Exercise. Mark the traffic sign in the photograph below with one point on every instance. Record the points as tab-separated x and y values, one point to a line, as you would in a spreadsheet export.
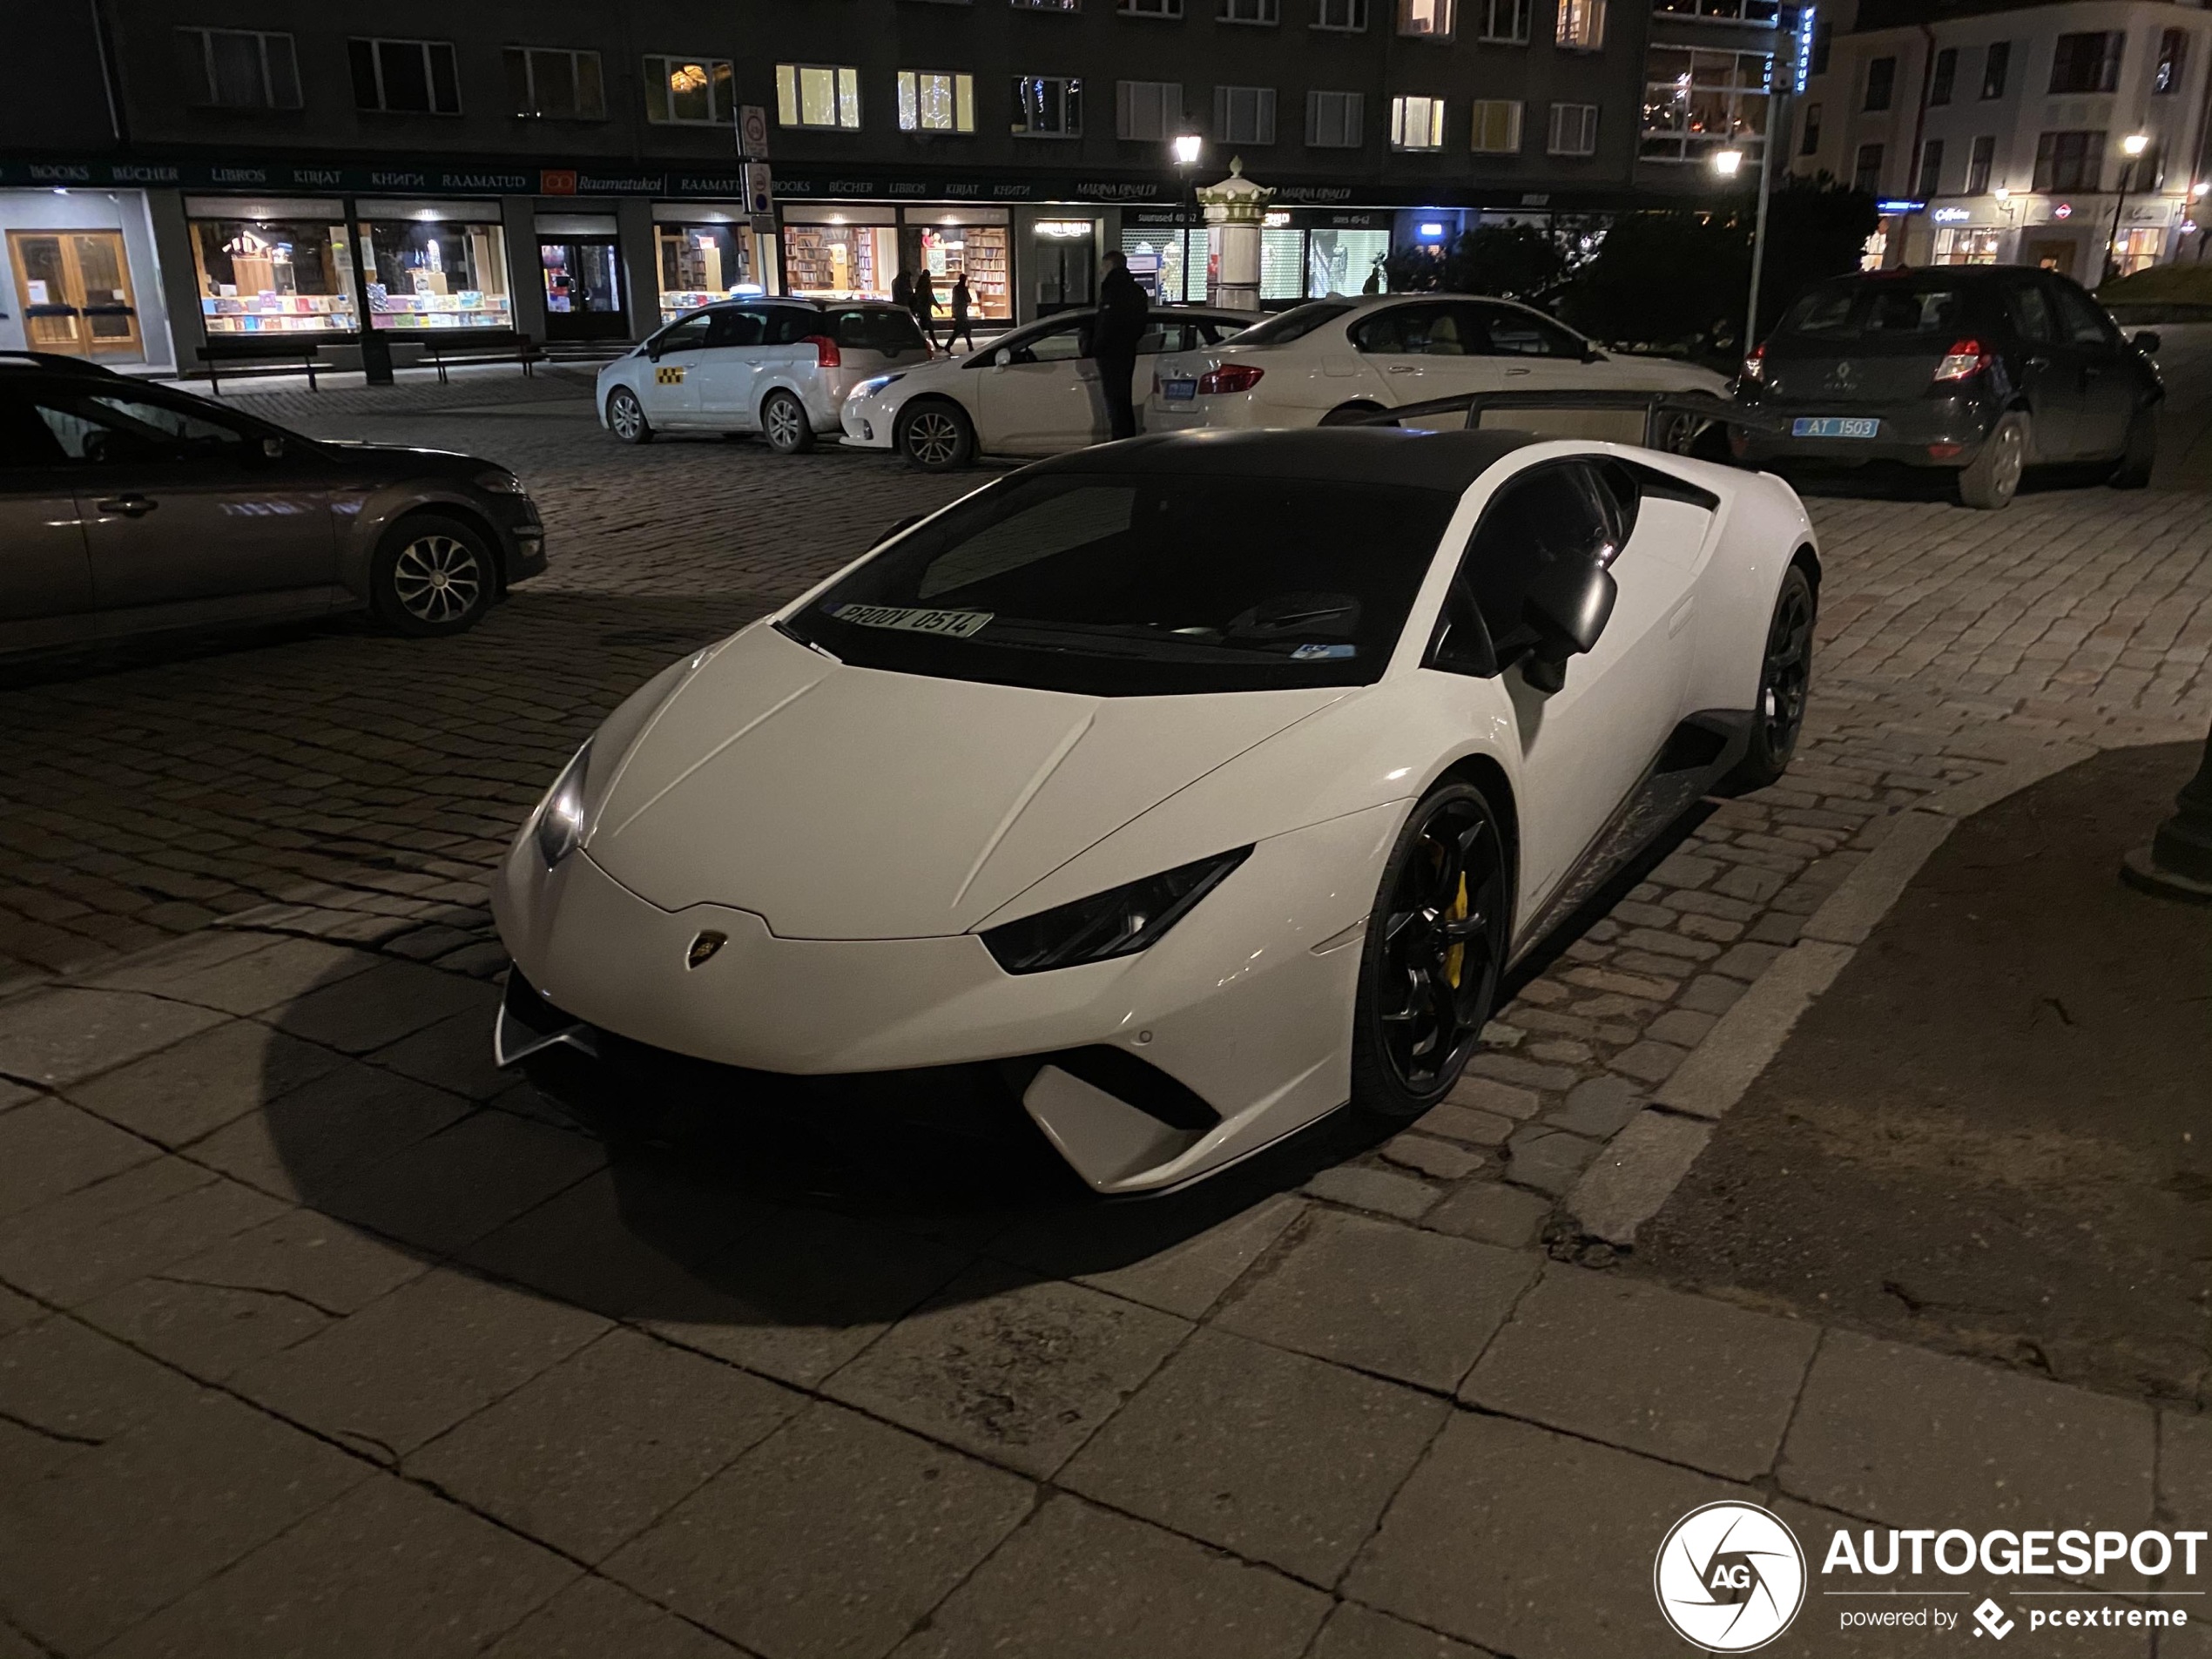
759	190
753	132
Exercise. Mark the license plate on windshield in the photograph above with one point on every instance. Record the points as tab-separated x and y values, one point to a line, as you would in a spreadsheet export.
1179	391
1835	425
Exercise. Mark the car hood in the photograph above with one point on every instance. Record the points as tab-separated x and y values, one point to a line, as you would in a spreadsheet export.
936	374
851	803
404	461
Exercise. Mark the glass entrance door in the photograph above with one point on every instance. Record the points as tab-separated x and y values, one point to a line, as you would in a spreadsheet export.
583	298
75	291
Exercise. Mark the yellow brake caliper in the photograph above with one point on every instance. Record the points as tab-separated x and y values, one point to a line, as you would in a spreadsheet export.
1457	955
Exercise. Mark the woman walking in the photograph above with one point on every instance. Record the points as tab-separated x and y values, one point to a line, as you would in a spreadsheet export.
926	305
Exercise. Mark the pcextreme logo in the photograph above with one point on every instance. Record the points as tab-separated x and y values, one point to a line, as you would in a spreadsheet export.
1729	1577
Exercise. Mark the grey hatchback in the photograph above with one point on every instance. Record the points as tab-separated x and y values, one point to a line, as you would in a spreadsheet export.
127	508
1983	370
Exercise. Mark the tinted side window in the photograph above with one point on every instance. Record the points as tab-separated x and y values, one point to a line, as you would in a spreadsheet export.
1420	331
25	439
2083	320
737	328
1061	344
687	336
2031	313
1521	334
878	328
1552	517
109	428
787	325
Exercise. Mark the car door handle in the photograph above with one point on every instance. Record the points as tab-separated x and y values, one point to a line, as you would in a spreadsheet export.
130	506
2039	363
1515	371
1405	369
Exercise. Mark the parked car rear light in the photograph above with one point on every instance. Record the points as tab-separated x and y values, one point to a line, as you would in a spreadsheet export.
1755	365
1964	361
1230	377
827	354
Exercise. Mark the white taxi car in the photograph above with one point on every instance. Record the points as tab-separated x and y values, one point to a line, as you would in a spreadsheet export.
1032	392
780	368
1339	360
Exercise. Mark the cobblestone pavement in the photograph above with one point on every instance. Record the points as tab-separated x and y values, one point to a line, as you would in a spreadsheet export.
300	1303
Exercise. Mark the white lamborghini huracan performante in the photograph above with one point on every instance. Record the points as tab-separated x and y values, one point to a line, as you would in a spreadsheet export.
1199	784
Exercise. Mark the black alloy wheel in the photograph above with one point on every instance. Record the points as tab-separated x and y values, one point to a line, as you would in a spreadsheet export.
1436	946
1785	685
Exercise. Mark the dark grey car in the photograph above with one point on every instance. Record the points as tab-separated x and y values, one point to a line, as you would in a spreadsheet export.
127	508
1982	370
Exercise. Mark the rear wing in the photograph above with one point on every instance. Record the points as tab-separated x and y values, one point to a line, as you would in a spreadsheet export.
1679	422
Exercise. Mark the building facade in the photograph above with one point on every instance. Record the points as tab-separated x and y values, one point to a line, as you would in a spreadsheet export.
2062	135
173	173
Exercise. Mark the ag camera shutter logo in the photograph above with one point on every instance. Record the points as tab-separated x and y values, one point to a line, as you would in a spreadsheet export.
1729	1577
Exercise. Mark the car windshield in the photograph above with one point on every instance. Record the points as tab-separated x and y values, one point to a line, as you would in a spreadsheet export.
1881	310
1129	585
1295	324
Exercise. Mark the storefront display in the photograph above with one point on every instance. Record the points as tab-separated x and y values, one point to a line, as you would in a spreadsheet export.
1967	245
1341	260
272	267
840	253
1167	257
1282	259
435	268
701	262
948	243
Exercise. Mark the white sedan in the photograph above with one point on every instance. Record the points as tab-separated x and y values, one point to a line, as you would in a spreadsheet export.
1188	789
1033	391
1333	361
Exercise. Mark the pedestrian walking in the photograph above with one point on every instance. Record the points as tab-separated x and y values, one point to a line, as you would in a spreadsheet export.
1122	313
902	289
963	327
926	305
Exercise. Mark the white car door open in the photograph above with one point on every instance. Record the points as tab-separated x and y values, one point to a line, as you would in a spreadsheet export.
730	365
1036	397
668	383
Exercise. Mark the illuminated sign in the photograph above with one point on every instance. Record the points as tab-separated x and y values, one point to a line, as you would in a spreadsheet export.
2064	210
1801	59
1898	205
1951	216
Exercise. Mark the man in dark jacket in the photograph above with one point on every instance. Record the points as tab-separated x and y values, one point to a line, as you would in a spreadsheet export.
1123	314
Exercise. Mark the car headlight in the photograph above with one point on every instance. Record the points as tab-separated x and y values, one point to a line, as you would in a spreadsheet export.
1106	924
501	483
870	387
560	816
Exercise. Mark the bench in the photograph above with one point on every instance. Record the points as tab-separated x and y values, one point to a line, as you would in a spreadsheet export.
489	346
275	355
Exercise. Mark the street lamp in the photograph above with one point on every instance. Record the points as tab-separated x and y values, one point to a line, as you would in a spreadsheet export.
2132	147
1728	163
1186	148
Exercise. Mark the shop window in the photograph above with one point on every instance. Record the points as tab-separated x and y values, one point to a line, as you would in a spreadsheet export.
1497	126
2086	62
1150	8
1931	180
2173	56
1809	135
1866	170
1966	246
688	92
553	83
1697	100
1148	110
1417	123
238	69
1995	64
1979	163
405	76
1243	114
936	101
273	276
1168	260
1344	261
1259	11
1282	259
1944	74
1881	83
75	290
1505	22
1582	24
700	263
1573	130
438	275
818	95
1335	120
1432	18
1348	15
1048	106
841	261
980	252
2069	161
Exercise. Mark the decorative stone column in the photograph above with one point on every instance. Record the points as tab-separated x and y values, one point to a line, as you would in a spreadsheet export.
1235	209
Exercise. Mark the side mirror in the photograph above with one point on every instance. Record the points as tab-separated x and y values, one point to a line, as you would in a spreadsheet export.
1001	357
2146	342
272	448
1568	610
653	349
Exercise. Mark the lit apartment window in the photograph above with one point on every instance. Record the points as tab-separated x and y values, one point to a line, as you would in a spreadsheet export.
936	101
405	76
1506	21
1265	11
1497	126
552	83
1335	120
1150	8
1573	130
1582	25
238	69
1417	123
1349	14
1429	17
1243	114
1048	106
818	95
1697	100
688	92
2173	56
1148	110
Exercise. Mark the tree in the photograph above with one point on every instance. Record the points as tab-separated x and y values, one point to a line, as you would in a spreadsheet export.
1815	229
1516	261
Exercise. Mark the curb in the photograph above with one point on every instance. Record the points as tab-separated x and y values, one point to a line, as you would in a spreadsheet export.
1640	1167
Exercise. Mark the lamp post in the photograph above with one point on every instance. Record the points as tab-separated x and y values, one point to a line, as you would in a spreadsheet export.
2133	145
1186	148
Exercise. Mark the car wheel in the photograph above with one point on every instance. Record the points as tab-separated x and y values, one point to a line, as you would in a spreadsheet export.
432	575
627	416
1995	478
1786	683
1351	413
1435	947
785	421
936	436
2141	453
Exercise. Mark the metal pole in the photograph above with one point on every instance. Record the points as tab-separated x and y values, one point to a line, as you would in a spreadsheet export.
1778	123
376	351
2119	206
